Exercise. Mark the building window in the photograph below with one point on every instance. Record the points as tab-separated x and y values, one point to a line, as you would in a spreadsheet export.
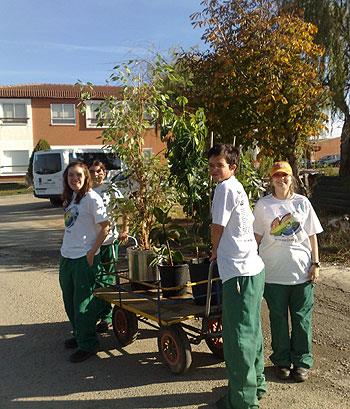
14	113
63	114
147	153
92	120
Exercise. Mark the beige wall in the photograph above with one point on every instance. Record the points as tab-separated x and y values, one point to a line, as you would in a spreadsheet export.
328	147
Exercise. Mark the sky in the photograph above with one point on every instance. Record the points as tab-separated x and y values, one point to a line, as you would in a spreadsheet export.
62	41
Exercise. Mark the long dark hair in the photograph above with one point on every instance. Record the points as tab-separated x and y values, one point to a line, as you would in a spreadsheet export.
68	192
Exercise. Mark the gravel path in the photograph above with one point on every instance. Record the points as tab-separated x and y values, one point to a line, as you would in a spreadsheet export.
35	371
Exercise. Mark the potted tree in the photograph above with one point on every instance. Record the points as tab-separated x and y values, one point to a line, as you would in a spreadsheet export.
187	140
173	270
125	121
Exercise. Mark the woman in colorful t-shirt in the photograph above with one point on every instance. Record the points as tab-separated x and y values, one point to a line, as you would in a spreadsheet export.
86	227
285	228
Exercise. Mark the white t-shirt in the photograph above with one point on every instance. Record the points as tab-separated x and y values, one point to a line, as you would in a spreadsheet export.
82	225
237	253
103	191
285	246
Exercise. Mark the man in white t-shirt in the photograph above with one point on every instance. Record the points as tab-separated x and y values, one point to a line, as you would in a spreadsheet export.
242	274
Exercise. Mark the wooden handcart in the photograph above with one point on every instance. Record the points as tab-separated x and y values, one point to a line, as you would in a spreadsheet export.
172	317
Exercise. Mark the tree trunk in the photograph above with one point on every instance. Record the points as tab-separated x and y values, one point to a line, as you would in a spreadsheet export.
293	161
344	169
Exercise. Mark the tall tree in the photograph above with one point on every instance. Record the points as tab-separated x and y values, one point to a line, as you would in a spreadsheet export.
333	20
258	81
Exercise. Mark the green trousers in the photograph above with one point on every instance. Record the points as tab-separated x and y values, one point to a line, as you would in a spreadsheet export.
295	346
243	342
78	281
107	278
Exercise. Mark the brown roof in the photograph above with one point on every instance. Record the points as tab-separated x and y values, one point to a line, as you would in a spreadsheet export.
56	91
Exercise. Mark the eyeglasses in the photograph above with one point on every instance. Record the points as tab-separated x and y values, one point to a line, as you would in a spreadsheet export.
280	175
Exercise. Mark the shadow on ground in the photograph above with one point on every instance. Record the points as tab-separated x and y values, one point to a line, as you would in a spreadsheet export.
41	346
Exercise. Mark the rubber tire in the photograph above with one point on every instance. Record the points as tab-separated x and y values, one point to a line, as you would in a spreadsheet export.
174	348
125	326
56	202
215	345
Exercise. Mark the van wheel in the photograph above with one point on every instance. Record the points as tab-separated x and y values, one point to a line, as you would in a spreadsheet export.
56	202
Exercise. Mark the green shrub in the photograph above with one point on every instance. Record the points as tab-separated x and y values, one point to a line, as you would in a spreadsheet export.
42	145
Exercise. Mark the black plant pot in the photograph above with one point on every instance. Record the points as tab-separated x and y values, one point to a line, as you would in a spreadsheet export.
174	276
199	270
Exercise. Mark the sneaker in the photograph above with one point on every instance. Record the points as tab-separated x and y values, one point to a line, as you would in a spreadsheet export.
260	395
71	343
102	327
80	355
300	374
282	372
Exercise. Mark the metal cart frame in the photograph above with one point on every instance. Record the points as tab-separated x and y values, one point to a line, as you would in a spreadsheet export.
170	316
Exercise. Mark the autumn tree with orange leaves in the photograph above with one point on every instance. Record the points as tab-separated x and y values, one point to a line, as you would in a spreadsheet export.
258	81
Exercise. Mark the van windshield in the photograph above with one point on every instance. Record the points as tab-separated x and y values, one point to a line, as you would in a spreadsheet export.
47	164
110	160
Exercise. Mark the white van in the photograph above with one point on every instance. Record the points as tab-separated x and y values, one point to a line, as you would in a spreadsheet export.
48	168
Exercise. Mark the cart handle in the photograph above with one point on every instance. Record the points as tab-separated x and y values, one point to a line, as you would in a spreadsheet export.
209	288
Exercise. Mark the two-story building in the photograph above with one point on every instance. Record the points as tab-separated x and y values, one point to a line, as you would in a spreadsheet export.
50	111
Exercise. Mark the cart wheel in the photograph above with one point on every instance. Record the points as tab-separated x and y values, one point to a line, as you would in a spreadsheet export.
125	326
174	348
216	345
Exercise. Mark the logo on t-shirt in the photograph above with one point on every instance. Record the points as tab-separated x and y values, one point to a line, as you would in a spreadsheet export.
71	216
284	226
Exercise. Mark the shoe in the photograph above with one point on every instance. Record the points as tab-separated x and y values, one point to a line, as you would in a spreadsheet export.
300	374
71	343
282	372
102	327
80	355
260	395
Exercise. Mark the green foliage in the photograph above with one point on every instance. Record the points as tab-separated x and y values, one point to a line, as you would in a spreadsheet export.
332	18
42	145
250	178
186	138
163	236
145	100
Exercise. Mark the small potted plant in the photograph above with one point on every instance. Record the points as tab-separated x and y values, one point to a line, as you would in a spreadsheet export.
170	261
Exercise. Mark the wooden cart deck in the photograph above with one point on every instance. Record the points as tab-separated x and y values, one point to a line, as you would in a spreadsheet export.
146	304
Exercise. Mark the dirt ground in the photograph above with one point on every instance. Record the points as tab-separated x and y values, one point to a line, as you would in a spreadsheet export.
35	371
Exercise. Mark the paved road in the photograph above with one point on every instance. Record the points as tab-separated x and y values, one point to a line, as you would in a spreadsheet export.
35	371
34	366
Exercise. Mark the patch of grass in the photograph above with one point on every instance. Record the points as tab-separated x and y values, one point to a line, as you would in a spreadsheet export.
331	171
14	189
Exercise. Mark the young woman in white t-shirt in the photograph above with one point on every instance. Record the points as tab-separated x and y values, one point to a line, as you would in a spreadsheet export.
286	228
86	227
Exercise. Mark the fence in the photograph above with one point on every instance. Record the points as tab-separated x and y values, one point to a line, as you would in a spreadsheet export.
331	193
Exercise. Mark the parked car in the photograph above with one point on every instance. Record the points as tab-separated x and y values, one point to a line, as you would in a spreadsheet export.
329	160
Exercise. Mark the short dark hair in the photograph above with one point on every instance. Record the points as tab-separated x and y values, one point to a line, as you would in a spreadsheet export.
97	162
67	191
228	151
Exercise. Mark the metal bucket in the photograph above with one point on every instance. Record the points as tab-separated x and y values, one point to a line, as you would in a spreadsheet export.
139	265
